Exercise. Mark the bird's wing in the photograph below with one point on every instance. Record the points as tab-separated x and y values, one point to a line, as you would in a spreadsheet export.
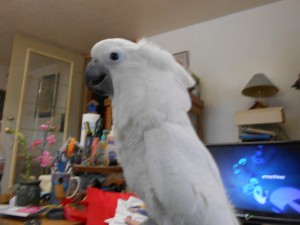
180	170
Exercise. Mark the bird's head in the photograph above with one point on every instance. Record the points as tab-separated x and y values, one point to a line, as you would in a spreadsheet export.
105	56
115	58
142	71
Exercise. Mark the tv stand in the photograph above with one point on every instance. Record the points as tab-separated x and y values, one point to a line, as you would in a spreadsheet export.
251	223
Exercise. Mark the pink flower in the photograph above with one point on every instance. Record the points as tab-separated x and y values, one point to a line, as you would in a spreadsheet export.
45	159
51	139
35	143
44	127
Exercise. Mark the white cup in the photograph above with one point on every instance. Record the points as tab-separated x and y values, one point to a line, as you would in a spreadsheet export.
45	184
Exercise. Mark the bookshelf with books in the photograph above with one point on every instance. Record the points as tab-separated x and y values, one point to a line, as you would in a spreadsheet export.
247	133
261	124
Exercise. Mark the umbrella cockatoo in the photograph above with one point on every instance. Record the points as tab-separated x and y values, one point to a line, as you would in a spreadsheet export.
163	160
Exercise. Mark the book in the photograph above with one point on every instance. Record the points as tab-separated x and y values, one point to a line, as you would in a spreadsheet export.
20	211
255	137
269	115
258	131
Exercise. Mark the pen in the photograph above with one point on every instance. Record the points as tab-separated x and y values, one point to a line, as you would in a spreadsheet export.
87	129
94	146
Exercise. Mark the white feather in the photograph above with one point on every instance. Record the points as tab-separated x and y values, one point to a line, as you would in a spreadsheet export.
163	160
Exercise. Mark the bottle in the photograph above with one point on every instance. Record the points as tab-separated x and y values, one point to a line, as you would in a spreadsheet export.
111	136
101	149
111	150
88	142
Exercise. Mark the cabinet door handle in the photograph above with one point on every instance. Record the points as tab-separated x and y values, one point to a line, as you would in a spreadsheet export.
8	130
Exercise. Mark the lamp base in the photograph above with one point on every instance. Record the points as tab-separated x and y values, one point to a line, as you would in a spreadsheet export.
259	105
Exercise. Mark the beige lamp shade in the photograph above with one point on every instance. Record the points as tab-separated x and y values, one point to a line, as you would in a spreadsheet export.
259	86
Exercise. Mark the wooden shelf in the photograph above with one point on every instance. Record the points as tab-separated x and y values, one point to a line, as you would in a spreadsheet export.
196	114
97	169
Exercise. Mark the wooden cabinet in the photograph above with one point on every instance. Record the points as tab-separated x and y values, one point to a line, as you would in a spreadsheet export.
196	115
107	114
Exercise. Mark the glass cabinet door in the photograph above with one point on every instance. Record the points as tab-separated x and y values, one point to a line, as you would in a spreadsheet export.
45	101
45	85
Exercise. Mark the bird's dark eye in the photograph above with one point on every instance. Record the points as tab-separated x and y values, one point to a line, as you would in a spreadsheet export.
114	56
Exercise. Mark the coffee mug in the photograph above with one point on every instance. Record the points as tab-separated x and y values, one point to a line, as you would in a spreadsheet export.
64	185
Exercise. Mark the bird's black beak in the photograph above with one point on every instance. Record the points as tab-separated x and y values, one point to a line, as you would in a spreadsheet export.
98	79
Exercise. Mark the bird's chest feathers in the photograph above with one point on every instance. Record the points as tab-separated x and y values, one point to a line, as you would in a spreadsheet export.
131	154
135	115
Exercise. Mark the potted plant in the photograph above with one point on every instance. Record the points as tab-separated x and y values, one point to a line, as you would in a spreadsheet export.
28	190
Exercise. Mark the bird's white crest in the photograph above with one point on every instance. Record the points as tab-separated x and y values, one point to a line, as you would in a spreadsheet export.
162	59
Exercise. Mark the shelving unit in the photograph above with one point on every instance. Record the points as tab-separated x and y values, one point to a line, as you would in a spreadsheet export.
106	170
113	174
266	121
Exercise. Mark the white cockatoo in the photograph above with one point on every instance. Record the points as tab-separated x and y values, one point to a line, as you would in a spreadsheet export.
163	160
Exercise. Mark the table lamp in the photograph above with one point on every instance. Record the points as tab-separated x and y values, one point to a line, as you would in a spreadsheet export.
259	86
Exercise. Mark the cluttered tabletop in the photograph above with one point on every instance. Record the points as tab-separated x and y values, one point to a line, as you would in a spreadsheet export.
44	221
40	219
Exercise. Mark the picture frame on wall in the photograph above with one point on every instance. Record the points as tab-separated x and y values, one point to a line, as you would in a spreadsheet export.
182	58
46	99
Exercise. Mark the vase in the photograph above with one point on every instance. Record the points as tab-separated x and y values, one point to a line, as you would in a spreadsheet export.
28	193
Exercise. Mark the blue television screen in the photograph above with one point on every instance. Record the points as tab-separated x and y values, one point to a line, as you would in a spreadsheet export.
262	180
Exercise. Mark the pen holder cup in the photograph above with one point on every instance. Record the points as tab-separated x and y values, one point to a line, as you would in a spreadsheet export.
64	185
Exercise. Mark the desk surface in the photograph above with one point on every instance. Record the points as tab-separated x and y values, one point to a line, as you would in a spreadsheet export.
11	221
4	220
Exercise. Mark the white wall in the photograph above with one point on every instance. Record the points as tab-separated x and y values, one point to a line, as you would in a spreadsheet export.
226	52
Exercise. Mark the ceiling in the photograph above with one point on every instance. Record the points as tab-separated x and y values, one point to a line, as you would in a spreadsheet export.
78	24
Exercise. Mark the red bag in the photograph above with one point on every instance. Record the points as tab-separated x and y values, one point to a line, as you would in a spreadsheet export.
75	212
102	205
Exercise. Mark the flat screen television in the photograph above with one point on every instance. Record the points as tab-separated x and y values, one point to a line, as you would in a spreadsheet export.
262	180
